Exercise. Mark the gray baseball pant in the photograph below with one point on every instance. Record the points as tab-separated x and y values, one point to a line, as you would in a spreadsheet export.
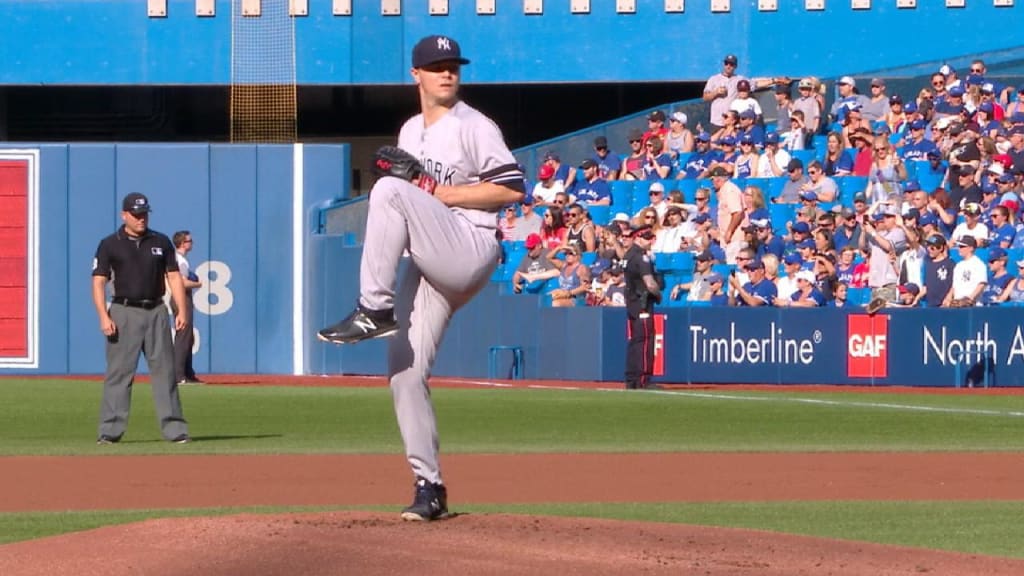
183	342
452	259
140	331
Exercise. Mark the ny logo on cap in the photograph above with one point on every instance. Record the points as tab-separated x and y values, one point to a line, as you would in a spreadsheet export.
444	43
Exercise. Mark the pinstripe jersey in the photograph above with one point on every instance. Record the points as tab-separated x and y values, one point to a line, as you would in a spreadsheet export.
463	147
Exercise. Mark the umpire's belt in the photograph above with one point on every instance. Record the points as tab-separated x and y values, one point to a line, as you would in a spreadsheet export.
147	304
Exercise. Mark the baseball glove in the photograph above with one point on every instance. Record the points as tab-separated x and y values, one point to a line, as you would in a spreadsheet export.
962	303
393	161
875	305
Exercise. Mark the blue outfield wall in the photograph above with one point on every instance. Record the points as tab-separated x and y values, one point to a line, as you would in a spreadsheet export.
237	200
102	42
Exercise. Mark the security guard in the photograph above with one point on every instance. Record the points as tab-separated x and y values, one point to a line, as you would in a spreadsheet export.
642	293
140	260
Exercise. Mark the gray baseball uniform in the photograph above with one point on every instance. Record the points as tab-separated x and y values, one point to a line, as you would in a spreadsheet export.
453	253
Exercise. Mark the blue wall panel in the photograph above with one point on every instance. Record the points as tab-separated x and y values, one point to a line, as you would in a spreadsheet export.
53	268
94	213
274	258
114	42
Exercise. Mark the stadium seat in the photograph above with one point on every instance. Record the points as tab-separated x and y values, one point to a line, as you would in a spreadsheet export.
600	214
763	183
682	261
499	273
858	296
781	214
662	261
929	182
805	156
588	258
850	185
688	187
818	141
622	192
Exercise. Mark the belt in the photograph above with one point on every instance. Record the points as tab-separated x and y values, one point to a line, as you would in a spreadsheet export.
147	304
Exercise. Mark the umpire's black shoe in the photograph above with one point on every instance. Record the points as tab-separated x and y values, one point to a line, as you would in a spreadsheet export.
430	503
104	439
361	324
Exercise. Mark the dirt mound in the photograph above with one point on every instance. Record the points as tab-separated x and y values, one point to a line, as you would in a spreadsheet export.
376	544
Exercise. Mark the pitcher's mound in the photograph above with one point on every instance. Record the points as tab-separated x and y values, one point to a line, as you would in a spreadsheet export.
368	544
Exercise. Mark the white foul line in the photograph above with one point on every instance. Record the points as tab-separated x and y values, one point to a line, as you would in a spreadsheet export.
768	398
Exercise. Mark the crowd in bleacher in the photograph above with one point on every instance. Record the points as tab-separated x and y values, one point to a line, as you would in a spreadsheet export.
906	199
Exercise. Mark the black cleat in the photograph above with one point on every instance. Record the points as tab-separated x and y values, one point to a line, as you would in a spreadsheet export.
104	439
430	503
361	324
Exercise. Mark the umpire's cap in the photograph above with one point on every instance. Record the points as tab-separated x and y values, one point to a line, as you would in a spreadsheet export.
135	203
433	49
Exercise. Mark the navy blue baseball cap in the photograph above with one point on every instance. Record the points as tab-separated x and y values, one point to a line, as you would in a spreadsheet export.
136	203
771	138
434	49
996	253
793	258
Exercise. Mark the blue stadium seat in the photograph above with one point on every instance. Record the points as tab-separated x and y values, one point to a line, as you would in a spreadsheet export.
850	185
763	183
782	213
819	141
682	261
622	192
688	187
600	214
858	296
588	258
499	273
663	261
805	156
929	182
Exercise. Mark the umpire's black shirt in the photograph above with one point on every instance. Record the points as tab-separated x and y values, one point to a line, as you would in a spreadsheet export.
637	266
138	264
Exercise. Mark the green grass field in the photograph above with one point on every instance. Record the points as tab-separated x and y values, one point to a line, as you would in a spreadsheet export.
59	418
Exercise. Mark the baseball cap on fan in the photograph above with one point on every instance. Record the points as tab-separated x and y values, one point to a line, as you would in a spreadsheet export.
434	49
136	203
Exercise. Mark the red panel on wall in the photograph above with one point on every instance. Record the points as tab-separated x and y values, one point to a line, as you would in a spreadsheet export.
13	258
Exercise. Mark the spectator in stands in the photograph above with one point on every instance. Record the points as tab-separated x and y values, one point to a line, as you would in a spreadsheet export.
837	161
886	175
621	222
918	146
1017	106
794	185
887	241
969	276
757	292
798	232
848	93
910	263
1016	151
771	269
507	222
658	164
593	190
941	207
553	231
702	199
655	127
547	186
809	104
796	138
1014	291
679	139
698	287
748	127
674	228
730	213
648	216
806	294
775	159
841	296
998	278
730	128
615	293
656	195
753	201
528	221
608	163
610	246
850	119
952	104
823	243
534	268
744	100
579	229
862	140
908	296
721	88
745	164
783	107
895	118
563	172
971	226
563	199
702	239
717	296
633	164
862	270
573	277
985	118
878	103
701	160
1002	232
791	263
846	264
824	187
847	229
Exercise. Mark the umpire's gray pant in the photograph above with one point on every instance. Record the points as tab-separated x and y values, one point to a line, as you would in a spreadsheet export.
140	331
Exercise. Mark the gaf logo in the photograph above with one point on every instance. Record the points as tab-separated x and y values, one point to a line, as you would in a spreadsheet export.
867	350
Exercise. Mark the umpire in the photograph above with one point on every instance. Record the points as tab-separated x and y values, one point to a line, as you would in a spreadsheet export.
140	259
642	293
